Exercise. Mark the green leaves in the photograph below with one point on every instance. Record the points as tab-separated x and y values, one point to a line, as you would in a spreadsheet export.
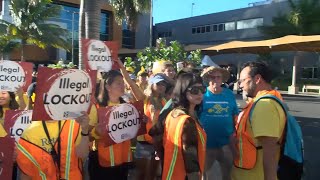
129	63
174	53
303	19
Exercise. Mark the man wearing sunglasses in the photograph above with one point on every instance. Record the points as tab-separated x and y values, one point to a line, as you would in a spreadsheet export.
217	114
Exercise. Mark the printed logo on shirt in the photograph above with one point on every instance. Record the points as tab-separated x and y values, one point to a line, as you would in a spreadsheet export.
218	109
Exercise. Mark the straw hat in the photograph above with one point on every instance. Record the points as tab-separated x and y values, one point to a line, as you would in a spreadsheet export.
225	73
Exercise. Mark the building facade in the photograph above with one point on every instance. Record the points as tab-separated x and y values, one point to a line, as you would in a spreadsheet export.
237	25
110	30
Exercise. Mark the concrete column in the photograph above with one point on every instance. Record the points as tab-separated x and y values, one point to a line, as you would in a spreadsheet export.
293	89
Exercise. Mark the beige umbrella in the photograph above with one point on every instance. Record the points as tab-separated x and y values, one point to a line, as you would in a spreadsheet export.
286	43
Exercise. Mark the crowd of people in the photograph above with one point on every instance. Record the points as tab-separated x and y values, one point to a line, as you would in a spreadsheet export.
193	122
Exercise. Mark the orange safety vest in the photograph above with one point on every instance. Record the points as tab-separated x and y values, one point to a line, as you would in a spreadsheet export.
247	149
114	155
148	112
173	165
42	166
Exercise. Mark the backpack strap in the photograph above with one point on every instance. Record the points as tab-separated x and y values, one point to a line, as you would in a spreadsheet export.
284	107
269	96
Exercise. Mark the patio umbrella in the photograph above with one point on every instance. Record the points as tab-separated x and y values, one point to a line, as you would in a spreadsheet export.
286	43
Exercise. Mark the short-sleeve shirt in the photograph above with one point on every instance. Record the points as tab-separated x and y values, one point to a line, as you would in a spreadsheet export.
217	117
268	119
36	134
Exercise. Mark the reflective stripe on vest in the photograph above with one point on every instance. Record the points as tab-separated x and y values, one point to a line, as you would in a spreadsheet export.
68	154
148	113
247	148
175	152
30	157
111	155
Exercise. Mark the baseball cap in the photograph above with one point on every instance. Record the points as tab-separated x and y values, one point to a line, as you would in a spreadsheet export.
156	78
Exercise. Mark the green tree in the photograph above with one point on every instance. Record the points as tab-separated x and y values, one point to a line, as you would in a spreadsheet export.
174	53
89	22
303	19
195	57
30	24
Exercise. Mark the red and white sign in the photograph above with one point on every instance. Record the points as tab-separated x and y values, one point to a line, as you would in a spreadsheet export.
63	93
6	157
100	55
15	74
122	122
16	121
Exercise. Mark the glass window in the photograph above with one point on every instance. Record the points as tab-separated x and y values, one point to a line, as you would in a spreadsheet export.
249	23
215	27
203	29
221	27
230	26
198	29
310	73
194	30
208	28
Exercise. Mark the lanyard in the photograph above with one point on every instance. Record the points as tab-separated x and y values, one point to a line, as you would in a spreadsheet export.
54	154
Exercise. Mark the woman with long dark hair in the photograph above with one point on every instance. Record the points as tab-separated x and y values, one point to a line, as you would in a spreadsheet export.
7	102
184	139
111	162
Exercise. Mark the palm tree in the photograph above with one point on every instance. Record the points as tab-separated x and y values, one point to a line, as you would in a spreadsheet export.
30	24
303	19
123	10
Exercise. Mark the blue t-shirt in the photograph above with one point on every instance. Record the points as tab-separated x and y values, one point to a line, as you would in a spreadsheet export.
216	116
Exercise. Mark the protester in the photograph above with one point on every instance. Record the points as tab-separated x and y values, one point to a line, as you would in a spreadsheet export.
257	145
169	70
232	79
157	130
8	102
142	80
145	152
53	149
184	139
218	115
111	161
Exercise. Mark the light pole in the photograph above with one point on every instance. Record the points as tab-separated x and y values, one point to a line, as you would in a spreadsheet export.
151	23
192	9
72	35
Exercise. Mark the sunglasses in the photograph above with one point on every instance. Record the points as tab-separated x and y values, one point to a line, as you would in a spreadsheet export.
195	90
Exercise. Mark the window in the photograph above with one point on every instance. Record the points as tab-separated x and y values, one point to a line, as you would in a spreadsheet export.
249	23
221	27
215	27
208	28
198	29
310	73
229	26
165	34
194	30
203	29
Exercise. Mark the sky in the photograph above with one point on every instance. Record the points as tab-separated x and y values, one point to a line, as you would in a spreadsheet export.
167	10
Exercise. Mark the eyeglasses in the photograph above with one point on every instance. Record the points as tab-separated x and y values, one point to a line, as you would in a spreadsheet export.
242	80
195	90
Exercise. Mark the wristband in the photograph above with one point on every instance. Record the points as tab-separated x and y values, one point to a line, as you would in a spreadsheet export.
84	134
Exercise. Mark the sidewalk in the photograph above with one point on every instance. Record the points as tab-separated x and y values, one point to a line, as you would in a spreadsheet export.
302	94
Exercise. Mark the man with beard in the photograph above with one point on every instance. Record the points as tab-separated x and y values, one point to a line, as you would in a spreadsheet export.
259	132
